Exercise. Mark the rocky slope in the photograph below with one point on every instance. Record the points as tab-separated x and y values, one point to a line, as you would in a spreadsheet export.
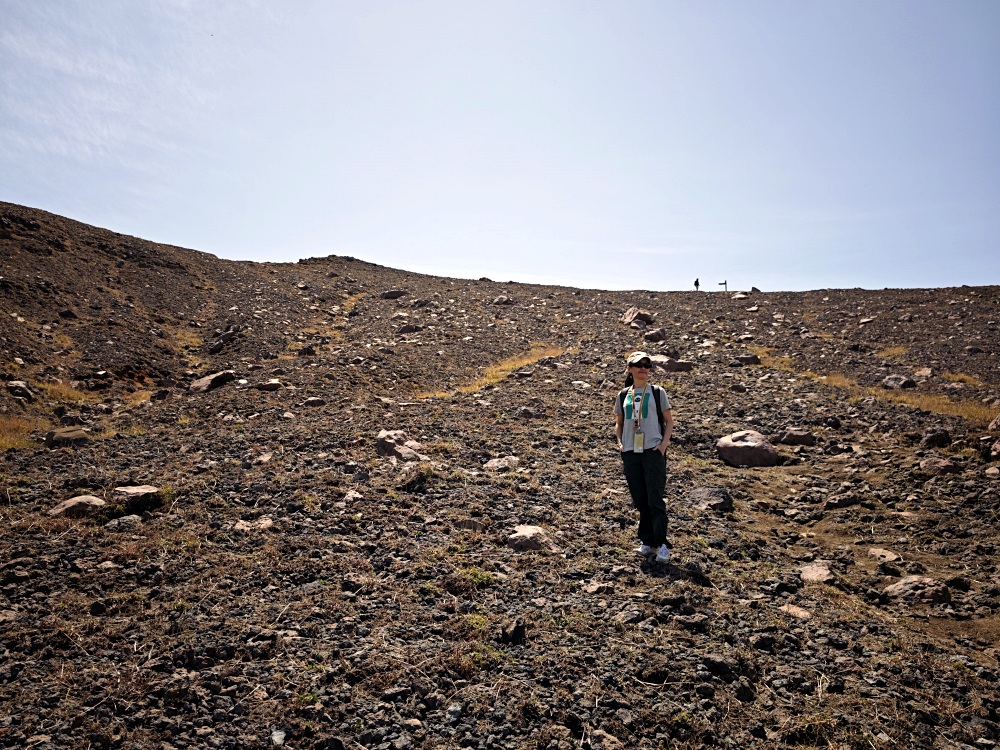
285	576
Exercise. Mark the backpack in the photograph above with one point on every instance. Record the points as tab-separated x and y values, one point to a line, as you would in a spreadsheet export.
656	397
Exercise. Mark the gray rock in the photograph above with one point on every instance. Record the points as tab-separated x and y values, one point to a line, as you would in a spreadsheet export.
502	299
78	507
636	315
936	437
396	443
658	334
314	401
125	523
796	436
669	364
393	293
711	498
748	359
995	424
893	382
66	437
214	380
746	448
19	389
502	464
271	385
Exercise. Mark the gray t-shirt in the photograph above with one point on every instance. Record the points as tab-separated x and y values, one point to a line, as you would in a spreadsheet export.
649	423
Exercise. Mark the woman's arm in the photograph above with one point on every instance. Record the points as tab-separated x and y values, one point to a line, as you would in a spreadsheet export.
619	426
668	430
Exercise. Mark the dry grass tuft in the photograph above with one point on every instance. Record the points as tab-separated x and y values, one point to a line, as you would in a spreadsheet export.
973	412
495	373
66	392
958	377
892	352
15	432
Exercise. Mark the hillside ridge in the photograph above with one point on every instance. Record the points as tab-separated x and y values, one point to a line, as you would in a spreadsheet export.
304	484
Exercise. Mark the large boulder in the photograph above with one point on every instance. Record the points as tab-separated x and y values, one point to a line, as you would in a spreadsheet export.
666	363
138	498
995	424
918	590
19	389
937	465
636	315
207	383
747	448
62	437
80	506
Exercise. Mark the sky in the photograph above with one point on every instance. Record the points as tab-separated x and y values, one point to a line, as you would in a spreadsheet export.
782	144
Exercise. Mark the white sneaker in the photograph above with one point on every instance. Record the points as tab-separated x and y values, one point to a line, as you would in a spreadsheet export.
663	554
643	550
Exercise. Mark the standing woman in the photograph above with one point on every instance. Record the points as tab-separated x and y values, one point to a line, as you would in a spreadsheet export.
643	439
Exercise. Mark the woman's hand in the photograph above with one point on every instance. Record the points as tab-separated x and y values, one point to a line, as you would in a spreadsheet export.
662	447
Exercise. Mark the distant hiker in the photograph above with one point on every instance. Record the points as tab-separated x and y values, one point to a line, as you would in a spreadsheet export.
643	425
696	285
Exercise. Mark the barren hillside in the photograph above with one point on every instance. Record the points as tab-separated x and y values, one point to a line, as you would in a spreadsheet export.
255	566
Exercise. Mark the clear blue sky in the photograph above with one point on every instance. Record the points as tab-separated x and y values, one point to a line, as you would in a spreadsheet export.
798	144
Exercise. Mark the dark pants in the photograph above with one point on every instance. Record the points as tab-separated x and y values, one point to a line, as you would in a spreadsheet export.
646	474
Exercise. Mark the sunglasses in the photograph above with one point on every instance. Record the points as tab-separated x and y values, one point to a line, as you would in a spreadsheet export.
643	365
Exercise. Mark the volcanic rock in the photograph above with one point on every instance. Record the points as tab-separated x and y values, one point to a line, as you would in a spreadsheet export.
66	436
80	506
936	465
892	382
711	498
502	464
917	589
796	436
637	315
216	379
527	537
746	448
19	389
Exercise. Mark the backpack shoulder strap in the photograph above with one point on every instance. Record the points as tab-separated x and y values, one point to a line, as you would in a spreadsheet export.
621	399
659	411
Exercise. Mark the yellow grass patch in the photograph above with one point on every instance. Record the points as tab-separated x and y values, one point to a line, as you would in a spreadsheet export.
973	412
66	392
892	352
15	432
495	373
186	338
957	377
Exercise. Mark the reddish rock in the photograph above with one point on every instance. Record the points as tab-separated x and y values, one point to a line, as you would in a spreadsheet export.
936	465
80	506
918	590
746	448
528	537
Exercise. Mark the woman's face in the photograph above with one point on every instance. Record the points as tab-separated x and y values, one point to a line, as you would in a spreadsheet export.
640	370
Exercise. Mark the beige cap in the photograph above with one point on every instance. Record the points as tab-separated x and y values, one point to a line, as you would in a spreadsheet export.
637	357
